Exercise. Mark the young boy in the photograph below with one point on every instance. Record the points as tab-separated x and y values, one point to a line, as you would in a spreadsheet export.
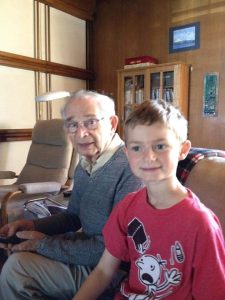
174	243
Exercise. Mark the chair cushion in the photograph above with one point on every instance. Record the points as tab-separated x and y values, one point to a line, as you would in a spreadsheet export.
40	187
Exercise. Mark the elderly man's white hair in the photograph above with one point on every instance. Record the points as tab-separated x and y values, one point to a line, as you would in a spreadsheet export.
106	103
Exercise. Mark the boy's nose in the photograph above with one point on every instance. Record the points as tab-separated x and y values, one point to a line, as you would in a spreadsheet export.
149	154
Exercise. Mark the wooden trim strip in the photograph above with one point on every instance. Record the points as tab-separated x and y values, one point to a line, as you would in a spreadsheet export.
29	63
78	8
9	135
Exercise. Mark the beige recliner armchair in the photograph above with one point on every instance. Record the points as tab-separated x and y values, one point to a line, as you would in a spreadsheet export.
49	168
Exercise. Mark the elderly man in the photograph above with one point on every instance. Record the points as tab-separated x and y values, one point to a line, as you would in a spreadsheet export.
58	256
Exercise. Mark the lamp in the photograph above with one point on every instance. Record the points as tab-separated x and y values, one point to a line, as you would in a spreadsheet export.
52	96
48	98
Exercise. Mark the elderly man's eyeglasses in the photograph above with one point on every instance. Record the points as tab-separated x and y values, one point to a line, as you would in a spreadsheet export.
90	124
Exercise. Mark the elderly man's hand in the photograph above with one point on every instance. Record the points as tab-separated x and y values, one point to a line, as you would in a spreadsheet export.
11	229
31	239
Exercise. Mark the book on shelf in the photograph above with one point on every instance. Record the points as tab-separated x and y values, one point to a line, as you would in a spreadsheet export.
139	96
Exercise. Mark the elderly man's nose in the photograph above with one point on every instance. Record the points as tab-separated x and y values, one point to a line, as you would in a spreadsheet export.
81	130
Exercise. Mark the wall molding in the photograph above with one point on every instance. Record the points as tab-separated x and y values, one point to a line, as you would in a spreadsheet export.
34	64
78	8
9	135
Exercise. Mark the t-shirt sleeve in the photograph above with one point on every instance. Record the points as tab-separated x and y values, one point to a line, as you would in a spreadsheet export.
115	232
209	262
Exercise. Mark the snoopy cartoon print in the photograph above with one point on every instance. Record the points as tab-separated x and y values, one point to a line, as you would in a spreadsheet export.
154	275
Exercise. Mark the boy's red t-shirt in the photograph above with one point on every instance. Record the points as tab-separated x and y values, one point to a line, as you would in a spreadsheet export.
175	253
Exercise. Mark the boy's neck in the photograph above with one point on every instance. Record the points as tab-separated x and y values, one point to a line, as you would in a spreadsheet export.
165	195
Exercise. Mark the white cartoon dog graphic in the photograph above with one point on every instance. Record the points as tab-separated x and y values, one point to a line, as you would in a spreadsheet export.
150	271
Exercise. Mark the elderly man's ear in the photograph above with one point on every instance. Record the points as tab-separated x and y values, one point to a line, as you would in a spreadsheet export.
114	122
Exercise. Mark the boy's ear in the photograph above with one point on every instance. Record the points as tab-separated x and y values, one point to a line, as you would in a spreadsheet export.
185	148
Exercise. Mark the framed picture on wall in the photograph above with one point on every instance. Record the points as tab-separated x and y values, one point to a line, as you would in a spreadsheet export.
185	37
210	96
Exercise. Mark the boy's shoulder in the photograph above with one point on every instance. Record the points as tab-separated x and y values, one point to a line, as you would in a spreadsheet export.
133	198
200	214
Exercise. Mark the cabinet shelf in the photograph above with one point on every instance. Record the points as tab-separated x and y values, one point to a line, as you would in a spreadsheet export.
162	81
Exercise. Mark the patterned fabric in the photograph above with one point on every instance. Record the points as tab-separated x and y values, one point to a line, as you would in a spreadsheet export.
194	156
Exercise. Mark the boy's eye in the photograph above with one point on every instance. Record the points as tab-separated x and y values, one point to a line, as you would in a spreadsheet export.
160	147
135	148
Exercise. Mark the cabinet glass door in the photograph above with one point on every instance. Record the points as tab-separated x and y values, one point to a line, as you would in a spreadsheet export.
139	88
133	92
127	110
155	86
128	90
168	86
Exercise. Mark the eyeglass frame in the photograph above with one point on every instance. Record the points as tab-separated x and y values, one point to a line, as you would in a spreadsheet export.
68	124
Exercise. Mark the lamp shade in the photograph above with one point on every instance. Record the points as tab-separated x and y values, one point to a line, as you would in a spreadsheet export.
51	96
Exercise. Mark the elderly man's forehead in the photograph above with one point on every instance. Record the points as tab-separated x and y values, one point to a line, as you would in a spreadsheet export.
85	106
85	101
88	99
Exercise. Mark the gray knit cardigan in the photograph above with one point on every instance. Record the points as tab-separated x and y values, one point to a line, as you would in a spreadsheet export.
92	200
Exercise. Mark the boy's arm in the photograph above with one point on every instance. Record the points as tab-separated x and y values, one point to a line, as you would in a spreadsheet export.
99	278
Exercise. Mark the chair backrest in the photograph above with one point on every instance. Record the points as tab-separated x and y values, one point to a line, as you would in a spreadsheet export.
203	171
207	181
50	154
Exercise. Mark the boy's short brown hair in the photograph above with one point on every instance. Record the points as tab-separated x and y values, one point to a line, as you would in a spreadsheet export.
152	111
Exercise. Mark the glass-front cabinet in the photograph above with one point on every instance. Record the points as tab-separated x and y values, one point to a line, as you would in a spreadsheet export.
162	86
162	81
133	92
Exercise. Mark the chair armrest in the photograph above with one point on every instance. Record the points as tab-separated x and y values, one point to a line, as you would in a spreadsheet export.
7	175
40	187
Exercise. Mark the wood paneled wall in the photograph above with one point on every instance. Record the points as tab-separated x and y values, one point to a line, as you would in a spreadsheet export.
126	28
